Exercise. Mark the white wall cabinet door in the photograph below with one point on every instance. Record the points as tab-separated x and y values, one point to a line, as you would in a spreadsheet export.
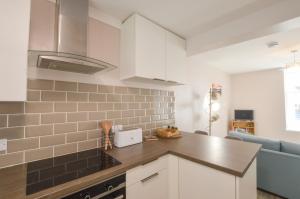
175	58
14	36
153	187
150	49
197	181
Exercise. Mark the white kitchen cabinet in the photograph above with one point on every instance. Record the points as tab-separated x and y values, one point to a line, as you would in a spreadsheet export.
142	49
150	49
246	186
14	35
198	181
173	177
149	181
154	186
149	52
175	58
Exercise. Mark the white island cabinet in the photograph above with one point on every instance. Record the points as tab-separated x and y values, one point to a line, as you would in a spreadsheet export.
148	181
150	52
152	187
171	177
14	34
199	181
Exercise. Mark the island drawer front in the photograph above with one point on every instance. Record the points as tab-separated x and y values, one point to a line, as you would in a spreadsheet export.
142	172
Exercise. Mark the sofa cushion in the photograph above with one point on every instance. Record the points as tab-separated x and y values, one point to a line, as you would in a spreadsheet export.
235	134
289	147
266	143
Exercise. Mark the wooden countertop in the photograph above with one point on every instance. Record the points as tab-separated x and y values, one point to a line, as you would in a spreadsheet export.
230	156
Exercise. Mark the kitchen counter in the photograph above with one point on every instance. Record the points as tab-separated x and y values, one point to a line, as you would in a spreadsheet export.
230	156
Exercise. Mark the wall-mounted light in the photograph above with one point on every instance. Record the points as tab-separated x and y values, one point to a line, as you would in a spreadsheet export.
294	64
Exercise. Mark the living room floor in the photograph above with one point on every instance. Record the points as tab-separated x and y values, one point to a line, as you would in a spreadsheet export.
265	195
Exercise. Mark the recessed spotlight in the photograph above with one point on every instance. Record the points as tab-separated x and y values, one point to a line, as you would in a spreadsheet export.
272	44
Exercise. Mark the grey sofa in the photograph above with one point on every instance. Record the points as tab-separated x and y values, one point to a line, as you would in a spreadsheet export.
278	165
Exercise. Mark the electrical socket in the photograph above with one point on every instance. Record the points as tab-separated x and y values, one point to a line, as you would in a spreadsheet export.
3	144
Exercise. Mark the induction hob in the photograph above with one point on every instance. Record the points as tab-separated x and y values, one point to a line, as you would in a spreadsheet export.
50	172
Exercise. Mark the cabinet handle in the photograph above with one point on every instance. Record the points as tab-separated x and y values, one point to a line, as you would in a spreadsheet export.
157	79
149	177
174	82
119	197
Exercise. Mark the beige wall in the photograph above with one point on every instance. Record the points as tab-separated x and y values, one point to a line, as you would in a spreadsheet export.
264	93
189	112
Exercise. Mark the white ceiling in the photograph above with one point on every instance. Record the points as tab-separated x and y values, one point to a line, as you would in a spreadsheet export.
184	17
253	55
212	24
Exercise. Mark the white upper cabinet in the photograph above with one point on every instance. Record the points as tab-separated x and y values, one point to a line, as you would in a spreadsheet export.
150	49
175	58
150	52
14	35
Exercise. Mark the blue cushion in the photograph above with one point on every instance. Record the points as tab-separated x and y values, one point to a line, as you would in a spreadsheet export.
266	143
288	147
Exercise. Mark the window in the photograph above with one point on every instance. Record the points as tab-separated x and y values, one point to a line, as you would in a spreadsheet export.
292	98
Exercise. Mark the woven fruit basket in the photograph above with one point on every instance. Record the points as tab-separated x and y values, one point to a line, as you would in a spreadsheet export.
170	132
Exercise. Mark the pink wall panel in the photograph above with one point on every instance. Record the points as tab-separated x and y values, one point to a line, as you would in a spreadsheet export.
42	23
103	42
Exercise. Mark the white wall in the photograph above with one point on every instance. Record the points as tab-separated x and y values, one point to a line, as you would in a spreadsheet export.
264	93
189	112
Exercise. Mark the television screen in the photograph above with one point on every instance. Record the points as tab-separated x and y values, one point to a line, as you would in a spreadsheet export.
243	114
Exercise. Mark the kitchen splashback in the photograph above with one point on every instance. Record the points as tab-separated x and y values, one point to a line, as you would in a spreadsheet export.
62	117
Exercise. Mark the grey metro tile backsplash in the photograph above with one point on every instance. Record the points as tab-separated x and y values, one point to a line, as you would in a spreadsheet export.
63	117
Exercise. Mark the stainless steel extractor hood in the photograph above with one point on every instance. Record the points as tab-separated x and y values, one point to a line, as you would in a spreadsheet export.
71	42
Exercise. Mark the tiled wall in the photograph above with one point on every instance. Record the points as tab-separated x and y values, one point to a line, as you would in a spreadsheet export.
63	117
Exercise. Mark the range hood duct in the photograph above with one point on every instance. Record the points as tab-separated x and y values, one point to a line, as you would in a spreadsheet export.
70	42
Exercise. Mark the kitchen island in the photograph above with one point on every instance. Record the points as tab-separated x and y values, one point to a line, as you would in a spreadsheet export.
228	157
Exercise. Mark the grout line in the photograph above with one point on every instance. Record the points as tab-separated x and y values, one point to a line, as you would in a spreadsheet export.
23	158
6	121
77	143
39	142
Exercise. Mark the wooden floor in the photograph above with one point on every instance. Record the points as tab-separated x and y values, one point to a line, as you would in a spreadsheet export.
264	195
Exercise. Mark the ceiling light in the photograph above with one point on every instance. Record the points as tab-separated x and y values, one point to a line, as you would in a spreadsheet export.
293	64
